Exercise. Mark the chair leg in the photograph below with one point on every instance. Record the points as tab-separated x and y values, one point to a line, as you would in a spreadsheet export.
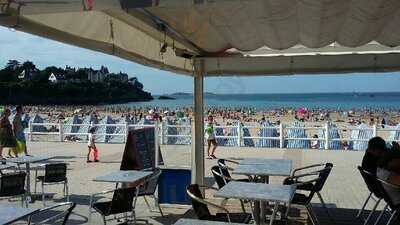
66	190
158	205
392	217
35	180
380	215
272	218
43	197
324	205
311	214
242	205
104	220
147	203
287	211
364	205
372	212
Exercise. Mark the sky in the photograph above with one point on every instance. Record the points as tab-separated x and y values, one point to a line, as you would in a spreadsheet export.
44	52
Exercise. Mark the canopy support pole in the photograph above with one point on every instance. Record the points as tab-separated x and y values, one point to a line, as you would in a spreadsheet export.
198	127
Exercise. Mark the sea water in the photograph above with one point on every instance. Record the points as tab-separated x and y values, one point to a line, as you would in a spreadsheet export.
345	101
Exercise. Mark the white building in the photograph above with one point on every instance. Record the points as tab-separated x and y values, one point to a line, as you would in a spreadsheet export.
56	78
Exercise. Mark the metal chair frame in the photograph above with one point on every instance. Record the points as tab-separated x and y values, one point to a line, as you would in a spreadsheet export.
153	178
65	214
23	196
394	210
65	182
125	216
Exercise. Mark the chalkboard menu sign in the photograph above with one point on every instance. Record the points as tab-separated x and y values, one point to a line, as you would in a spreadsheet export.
139	151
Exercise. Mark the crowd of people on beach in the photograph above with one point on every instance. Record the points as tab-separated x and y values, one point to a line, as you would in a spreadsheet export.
224	115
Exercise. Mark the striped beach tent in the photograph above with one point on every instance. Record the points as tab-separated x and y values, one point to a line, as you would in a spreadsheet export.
361	134
233	131
68	125
247	141
184	128
103	130
171	130
87	122
120	130
333	134
221	141
267	131
394	135
37	128
297	132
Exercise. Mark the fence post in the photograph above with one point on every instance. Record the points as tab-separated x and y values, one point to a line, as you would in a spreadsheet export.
126	131
156	142
162	132
375	130
326	136
60	125
239	133
281	136
30	128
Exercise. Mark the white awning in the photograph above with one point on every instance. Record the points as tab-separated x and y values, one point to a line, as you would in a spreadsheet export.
235	37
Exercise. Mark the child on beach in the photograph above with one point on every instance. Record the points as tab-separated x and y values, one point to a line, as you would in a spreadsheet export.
92	146
210	135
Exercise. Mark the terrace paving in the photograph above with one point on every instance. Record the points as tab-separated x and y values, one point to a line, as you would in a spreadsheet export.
344	191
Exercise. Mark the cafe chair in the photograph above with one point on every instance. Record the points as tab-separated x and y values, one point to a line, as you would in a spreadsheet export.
13	185
391	193
200	207
54	173
224	170
376	193
148	189
123	201
52	214
315	183
307	171
221	181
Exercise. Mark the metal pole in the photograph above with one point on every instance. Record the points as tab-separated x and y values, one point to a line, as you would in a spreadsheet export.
198	127
375	130
61	131
281	136
156	142
30	130
326	136
239	133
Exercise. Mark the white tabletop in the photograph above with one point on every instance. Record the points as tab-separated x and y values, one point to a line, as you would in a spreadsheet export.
10	214
28	159
264	167
7	166
123	176
257	191
202	222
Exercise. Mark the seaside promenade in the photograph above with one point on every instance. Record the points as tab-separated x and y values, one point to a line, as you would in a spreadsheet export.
344	190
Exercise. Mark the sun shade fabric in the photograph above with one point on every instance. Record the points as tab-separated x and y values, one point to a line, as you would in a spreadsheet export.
321	33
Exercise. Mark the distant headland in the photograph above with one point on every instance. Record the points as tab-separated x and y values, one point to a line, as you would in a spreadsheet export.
23	83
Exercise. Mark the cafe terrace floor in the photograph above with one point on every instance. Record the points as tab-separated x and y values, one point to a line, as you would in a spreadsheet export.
344	191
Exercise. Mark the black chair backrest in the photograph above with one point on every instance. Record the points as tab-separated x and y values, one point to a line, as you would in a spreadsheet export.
55	172
200	209
223	168
391	194
215	170
372	183
149	188
122	200
319	182
52	214
12	184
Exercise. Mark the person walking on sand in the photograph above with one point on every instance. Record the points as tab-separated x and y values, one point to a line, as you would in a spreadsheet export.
92	146
210	135
7	138
19	127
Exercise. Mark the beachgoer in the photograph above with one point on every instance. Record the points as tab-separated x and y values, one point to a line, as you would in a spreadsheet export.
7	138
92	146
19	127
210	135
375	151
315	142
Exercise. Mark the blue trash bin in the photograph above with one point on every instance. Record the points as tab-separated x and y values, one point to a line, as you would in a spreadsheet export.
172	185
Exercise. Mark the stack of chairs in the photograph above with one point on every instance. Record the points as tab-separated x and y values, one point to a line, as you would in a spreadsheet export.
68	125
333	134
361	134
183	131
171	131
232	132
267	132
297	132
85	127
102	131
220	132
119	130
